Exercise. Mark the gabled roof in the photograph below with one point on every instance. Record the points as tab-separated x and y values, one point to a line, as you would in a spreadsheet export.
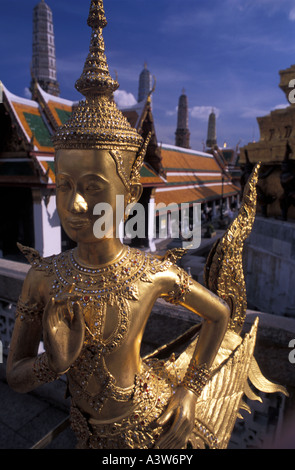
30	119
135	113
58	110
185	175
141	118
38	119
192	176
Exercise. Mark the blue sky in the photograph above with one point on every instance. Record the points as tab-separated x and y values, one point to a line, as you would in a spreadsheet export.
226	54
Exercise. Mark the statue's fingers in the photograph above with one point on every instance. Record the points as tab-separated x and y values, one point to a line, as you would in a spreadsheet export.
78	319
174	436
49	312
165	417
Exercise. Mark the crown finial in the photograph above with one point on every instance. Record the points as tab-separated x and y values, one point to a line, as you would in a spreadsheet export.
95	78
96	18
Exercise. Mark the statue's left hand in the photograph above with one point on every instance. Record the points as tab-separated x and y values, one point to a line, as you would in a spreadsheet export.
180	416
63	332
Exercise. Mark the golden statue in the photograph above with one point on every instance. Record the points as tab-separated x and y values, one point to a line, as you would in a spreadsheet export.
91	304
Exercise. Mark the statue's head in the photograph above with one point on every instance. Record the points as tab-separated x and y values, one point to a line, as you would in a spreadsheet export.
98	154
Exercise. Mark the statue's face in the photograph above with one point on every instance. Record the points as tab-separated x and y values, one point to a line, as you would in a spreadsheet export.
85	178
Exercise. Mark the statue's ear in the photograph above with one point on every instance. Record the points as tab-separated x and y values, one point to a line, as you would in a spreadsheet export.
135	192
133	197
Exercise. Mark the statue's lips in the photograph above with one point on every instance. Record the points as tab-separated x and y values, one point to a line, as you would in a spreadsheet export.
78	223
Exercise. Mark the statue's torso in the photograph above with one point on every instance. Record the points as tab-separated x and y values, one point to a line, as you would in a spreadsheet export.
116	301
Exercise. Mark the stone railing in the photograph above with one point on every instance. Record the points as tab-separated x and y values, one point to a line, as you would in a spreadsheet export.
12	275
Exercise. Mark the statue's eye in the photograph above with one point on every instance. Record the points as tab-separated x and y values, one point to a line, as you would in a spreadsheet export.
63	185
92	187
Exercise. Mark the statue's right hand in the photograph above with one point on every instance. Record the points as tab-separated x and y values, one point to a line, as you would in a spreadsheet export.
63	331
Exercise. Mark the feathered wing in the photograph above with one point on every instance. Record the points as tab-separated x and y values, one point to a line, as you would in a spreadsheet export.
223	272
234	368
233	372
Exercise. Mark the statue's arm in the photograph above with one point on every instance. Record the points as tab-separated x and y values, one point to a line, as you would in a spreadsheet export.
215	313
26	370
180	413
184	291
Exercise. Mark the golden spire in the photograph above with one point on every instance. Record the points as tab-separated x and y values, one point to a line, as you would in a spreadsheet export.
96	78
97	122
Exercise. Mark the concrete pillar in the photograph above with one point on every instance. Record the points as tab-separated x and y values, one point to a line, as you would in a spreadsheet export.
47	227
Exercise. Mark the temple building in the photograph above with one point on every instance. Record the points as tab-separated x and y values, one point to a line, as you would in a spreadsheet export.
170	174
275	150
182	134
270	269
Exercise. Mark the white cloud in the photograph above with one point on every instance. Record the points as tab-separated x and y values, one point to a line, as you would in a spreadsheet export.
173	112
197	112
27	93
281	106
292	14
203	112
252	112
124	99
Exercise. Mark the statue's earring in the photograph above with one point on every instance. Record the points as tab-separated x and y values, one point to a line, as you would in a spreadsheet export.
135	172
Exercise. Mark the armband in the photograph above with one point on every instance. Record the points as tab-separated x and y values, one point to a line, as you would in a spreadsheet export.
27	312
181	288
196	377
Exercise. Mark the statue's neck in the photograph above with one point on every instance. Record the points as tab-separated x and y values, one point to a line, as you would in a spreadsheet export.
100	253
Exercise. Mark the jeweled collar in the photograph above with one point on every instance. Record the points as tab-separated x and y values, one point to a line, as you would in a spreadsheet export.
116	277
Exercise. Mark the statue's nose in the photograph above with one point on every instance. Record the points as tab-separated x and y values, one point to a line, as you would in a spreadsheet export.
79	204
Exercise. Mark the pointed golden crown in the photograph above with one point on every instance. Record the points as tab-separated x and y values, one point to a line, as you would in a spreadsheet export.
97	123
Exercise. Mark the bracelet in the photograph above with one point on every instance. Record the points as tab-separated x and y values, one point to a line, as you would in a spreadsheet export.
196	377
42	371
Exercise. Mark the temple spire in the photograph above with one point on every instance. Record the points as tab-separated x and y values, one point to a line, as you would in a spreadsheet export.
145	84
182	135
43	68
211	136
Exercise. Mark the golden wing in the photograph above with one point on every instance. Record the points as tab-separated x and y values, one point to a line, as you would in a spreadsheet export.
223	273
219	405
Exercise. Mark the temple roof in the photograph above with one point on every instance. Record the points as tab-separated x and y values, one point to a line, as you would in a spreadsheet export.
28	116
37	120
192	176
178	175
60	109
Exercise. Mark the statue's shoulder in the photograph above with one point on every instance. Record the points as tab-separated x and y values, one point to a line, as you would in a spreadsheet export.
175	255
172	256
37	262
153	263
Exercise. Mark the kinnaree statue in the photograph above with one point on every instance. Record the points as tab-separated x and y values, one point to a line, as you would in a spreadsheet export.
90	305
